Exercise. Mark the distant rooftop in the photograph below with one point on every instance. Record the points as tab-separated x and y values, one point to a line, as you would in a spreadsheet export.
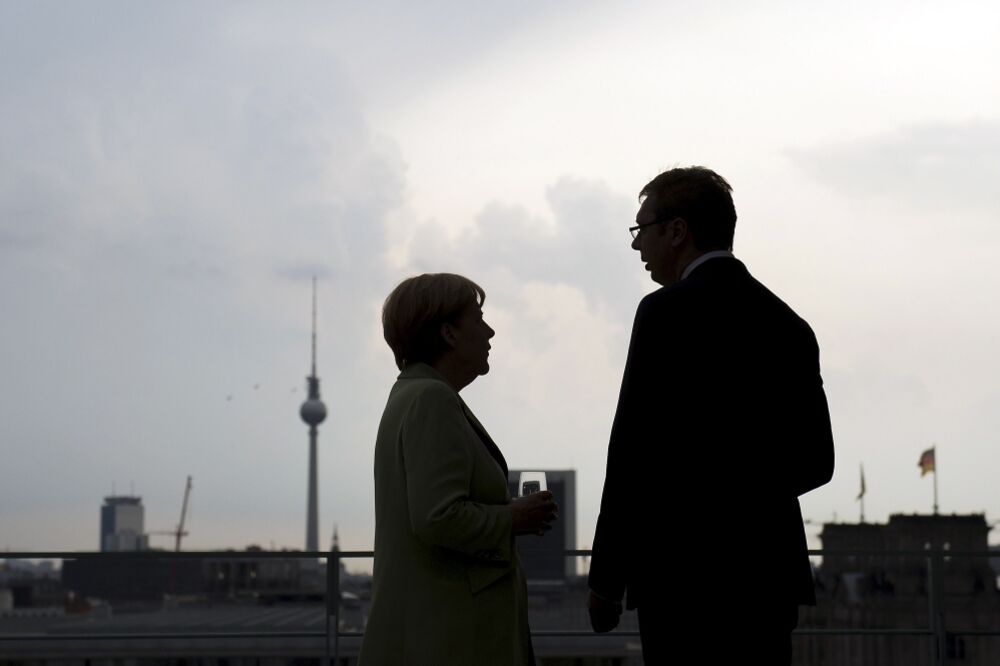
123	499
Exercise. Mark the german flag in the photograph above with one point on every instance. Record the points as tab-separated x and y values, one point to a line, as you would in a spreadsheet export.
926	463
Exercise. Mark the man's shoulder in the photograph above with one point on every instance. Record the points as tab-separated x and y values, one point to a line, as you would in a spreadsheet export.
720	288
667	299
773	318
775	303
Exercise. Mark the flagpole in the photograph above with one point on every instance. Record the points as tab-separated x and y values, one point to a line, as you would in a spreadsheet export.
934	448
861	495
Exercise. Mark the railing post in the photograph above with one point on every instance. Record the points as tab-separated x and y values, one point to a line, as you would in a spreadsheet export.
333	606
935	585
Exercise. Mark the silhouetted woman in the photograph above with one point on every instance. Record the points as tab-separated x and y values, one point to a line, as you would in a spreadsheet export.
448	586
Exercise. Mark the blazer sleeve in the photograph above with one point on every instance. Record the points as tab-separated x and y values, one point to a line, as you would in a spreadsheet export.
609	559
438	463
809	455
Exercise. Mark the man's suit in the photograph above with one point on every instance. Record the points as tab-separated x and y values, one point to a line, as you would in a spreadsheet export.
721	424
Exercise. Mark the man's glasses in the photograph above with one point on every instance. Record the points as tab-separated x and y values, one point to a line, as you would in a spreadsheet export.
639	227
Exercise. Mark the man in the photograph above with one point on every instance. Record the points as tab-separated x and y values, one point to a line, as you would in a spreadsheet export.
721	424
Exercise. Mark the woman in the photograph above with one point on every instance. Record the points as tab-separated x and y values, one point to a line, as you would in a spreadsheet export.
448	586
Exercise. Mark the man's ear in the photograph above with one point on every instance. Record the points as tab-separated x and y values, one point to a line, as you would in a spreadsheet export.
679	231
448	334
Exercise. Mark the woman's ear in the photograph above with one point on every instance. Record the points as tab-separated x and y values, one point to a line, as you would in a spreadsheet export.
448	334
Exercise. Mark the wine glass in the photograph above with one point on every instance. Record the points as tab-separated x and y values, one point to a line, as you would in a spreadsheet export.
531	482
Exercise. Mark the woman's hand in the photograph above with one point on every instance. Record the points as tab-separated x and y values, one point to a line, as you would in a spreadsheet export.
534	513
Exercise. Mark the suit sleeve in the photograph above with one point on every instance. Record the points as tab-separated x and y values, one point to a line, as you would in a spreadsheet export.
438	465
609	560
810	455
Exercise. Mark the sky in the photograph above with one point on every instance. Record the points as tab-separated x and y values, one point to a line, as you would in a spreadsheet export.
173	175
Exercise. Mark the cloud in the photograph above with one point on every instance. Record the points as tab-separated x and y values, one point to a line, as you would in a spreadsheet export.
168	187
561	294
585	244
943	166
235	156
162	209
305	271
406	48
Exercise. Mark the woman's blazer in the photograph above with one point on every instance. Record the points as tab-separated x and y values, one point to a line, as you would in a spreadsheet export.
448	586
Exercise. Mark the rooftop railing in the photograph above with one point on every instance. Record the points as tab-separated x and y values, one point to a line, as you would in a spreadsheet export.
332	636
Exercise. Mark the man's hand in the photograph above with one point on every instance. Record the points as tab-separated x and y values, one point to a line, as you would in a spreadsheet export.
604	613
534	513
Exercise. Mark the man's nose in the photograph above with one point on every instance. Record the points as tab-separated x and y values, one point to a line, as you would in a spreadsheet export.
635	242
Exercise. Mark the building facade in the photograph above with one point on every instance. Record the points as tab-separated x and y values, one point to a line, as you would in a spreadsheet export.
888	584
123	524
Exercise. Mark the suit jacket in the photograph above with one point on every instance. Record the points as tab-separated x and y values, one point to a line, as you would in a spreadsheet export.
447	586
721	424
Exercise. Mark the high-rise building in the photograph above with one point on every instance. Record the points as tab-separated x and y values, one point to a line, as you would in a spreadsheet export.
122	524
542	557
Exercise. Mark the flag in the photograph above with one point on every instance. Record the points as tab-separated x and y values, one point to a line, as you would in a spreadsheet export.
862	493
926	463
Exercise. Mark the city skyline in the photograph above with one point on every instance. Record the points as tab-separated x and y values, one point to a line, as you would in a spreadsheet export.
173	176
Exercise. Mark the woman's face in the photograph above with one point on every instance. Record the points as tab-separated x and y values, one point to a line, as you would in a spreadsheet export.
470	340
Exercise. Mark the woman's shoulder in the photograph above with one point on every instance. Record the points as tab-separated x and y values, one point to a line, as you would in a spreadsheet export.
422	405
421	380
423	392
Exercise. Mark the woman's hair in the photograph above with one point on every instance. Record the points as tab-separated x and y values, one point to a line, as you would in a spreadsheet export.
413	313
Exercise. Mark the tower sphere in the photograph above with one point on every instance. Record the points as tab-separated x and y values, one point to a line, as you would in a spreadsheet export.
313	412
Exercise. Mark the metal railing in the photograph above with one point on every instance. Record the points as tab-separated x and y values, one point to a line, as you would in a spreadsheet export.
331	635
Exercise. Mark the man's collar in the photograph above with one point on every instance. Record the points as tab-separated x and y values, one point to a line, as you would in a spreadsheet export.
703	258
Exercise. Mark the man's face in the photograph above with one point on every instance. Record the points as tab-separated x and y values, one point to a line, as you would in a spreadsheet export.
657	245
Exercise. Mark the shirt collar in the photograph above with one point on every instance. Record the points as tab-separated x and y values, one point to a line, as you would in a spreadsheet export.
703	258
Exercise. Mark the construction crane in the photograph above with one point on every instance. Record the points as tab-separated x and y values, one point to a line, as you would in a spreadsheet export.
184	507
179	533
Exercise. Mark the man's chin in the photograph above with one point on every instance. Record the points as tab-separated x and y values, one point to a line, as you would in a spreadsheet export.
662	278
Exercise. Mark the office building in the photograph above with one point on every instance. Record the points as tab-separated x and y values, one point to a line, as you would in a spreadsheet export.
122	524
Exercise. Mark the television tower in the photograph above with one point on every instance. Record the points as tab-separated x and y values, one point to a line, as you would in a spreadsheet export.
313	412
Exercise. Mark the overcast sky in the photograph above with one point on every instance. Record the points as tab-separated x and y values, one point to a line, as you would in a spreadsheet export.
172	175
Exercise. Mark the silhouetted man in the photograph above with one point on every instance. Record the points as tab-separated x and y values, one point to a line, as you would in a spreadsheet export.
721	424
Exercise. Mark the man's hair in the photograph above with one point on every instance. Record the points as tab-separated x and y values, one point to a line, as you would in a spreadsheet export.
700	196
413	313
